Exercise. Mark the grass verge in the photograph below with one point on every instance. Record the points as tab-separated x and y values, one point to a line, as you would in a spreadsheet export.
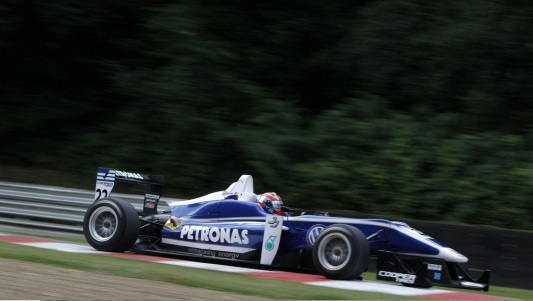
228	282
181	275
236	283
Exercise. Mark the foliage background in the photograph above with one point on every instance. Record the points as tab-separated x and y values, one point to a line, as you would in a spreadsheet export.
405	108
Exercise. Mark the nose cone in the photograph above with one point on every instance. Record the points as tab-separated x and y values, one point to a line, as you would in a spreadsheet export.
451	255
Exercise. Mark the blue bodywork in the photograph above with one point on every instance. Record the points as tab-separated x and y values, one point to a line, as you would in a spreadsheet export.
233	229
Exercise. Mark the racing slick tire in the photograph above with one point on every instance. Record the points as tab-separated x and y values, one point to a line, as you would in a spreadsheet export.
341	252
111	225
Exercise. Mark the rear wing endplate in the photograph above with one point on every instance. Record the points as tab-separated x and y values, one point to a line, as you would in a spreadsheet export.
105	181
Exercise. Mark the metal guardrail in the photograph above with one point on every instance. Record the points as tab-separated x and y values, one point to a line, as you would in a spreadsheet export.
50	209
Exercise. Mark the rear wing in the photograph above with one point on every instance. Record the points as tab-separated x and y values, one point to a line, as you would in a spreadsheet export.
105	181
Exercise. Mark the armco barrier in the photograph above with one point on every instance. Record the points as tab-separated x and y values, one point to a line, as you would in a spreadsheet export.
508	254
49	209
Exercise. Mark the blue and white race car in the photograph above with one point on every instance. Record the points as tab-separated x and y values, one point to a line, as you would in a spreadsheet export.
237	225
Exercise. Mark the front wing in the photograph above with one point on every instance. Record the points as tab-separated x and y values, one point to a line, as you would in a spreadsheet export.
426	272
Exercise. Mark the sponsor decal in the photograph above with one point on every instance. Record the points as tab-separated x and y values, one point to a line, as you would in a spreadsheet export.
212	253
173	223
436	276
106	183
128	175
270	243
313	233
399	277
434	267
201	252
274	222
105	174
228	255
214	234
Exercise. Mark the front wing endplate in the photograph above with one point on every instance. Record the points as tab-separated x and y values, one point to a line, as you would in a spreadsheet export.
426	272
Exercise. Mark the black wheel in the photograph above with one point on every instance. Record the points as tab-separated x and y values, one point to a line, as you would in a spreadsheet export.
341	252
111	225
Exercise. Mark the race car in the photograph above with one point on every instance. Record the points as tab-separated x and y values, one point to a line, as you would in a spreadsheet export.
238	225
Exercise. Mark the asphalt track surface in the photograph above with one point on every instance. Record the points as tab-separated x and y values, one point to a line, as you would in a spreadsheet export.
21	280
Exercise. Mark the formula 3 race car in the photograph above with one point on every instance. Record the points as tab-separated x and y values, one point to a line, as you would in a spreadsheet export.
229	225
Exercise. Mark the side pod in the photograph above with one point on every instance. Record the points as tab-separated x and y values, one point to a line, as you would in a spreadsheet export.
426	272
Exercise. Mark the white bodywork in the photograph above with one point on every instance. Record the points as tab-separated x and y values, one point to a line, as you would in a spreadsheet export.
243	189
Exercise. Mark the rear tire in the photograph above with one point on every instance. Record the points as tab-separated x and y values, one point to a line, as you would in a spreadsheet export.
111	225
341	252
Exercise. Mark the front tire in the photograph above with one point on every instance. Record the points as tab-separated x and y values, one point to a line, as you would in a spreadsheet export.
111	225
341	252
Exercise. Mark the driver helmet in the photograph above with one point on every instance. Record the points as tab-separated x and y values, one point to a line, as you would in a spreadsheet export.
270	202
